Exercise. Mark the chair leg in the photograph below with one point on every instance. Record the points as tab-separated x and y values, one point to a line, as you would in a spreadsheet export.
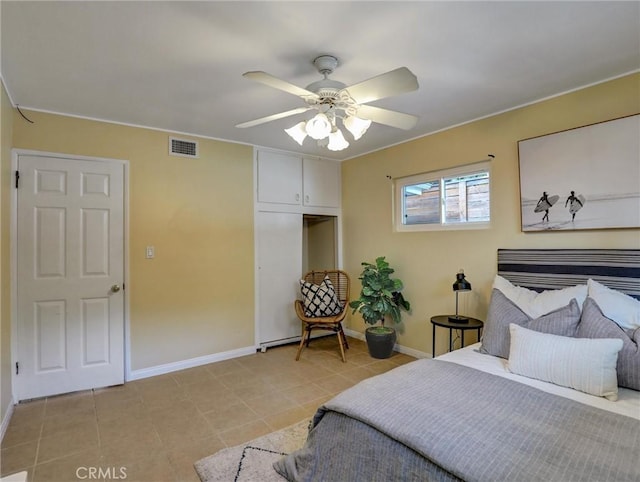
341	341
344	337
305	335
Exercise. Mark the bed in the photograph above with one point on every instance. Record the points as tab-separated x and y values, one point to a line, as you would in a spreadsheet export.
561	403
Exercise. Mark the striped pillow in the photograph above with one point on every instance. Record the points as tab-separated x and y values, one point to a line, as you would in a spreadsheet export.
588	365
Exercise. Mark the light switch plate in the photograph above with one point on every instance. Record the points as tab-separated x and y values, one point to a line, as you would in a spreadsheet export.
150	252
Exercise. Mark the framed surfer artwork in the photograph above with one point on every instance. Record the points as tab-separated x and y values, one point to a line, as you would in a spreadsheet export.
582	178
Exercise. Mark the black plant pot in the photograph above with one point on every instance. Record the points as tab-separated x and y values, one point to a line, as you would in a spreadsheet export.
380	344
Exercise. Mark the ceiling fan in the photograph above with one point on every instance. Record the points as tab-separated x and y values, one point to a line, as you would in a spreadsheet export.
334	100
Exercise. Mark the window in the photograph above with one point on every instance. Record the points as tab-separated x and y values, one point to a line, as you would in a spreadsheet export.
456	198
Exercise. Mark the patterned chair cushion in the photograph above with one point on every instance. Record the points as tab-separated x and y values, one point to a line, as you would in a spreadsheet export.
320	300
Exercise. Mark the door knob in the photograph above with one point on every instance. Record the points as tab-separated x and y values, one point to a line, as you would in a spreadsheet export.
115	288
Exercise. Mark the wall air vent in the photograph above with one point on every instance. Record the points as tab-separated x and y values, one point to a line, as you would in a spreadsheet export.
183	148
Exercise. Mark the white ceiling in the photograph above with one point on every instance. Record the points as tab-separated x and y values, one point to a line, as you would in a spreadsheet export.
178	65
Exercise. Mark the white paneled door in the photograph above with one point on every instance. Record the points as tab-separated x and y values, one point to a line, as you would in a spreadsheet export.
70	273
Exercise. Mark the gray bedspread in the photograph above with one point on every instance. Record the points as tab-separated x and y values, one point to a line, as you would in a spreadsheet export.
435	420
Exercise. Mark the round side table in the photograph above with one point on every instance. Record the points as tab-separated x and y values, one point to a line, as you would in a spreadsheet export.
443	321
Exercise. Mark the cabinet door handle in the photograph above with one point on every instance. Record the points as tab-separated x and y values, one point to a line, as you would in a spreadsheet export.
306	198
297	196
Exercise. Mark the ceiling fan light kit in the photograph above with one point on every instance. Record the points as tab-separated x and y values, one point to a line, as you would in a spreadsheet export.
333	100
337	142
319	127
298	132
356	126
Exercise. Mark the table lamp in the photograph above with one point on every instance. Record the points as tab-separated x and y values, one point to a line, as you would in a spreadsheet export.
461	284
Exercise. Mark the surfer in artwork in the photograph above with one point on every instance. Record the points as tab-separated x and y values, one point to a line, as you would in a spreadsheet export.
543	205
574	203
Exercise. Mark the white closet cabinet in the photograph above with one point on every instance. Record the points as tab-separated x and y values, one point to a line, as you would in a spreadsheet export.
320	183
279	240
293	195
285	178
279	178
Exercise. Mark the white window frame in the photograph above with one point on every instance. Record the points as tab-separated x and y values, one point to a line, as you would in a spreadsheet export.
398	199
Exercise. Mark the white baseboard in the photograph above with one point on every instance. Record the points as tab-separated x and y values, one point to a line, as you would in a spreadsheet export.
399	348
249	350
412	352
354	334
190	363
7	418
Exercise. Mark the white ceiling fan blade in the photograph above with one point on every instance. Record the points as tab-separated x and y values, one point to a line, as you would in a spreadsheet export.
395	82
276	83
387	117
273	117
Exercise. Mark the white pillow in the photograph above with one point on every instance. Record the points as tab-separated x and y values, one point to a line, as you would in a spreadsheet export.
585	364
615	305
537	304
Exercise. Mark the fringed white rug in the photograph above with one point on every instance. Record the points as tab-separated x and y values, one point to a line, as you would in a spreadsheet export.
253	460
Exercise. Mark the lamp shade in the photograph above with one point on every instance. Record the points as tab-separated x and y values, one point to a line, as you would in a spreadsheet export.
337	142
319	127
297	132
461	284
356	126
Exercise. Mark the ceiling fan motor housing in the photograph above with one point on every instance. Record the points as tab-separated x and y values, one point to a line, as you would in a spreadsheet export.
330	92
326	88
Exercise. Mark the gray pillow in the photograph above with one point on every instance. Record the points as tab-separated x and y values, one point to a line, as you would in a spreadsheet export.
502	311
593	324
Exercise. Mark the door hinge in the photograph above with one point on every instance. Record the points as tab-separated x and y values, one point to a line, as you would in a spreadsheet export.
17	179
17	368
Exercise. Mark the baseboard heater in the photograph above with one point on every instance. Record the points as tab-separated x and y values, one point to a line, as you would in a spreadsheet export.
286	341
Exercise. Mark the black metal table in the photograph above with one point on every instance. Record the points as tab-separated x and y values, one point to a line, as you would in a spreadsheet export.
443	321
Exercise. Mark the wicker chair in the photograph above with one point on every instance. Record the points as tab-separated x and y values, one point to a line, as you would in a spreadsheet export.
340	281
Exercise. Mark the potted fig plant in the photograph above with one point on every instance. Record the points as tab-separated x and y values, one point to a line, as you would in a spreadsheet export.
380	299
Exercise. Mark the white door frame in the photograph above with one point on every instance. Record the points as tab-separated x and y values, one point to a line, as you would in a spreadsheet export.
13	228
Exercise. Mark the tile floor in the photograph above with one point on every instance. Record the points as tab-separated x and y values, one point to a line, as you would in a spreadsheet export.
158	427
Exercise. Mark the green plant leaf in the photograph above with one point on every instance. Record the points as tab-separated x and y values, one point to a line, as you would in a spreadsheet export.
380	296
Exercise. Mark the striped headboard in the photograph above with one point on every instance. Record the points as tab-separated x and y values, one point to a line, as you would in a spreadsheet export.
541	269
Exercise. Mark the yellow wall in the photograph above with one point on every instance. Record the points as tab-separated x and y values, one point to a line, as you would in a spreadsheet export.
319	250
6	127
427	261
196	297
